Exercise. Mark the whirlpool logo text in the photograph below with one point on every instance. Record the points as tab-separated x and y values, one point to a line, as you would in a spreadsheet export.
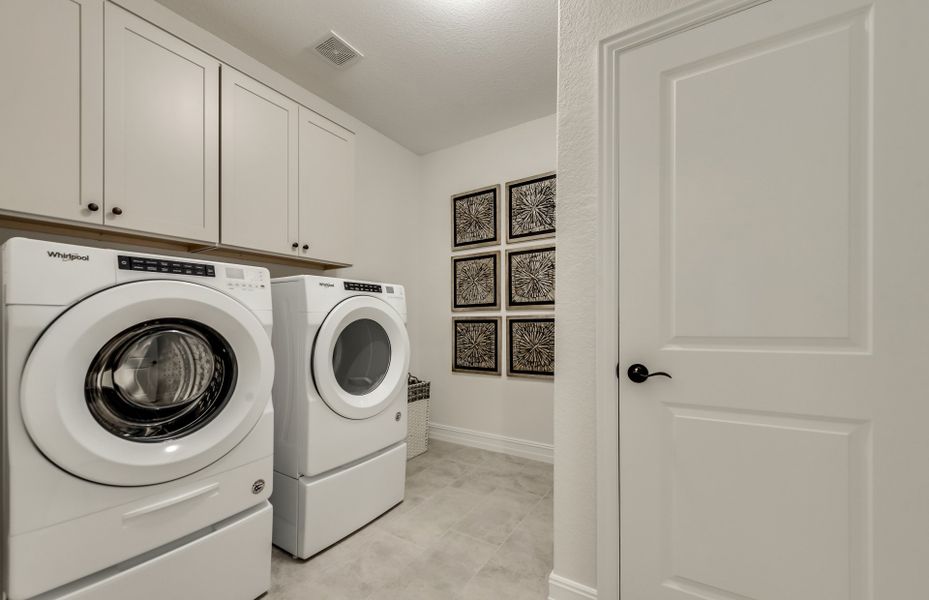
67	256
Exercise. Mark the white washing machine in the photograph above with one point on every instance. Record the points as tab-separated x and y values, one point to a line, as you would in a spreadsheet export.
137	425
340	393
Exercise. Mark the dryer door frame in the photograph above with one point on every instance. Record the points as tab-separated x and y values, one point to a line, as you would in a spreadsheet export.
54	402
394	380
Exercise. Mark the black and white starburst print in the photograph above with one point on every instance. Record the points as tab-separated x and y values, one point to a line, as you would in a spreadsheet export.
475	220
532	277
476	281
532	346
476	344
532	208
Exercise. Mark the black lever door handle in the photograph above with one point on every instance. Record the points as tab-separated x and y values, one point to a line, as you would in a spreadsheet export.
639	373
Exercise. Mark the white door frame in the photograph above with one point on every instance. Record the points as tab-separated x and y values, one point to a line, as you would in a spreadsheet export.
607	290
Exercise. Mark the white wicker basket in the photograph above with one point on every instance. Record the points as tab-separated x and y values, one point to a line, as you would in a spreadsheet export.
417	437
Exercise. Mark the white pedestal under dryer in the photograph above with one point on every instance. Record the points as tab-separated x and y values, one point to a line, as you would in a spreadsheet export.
137	430
340	391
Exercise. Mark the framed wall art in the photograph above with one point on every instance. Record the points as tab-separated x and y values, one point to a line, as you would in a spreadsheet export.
530	278
474	281
476	345
530	347
474	218
531	208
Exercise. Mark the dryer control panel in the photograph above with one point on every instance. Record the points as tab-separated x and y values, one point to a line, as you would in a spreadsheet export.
353	286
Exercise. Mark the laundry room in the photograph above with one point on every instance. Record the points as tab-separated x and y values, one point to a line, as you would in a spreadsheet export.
164	164
463	299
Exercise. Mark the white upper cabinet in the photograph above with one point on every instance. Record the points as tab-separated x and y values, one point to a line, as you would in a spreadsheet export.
161	131
327	189
288	175
87	85
259	166
51	108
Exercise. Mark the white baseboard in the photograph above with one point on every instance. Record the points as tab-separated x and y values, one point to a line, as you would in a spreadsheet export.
493	442
562	588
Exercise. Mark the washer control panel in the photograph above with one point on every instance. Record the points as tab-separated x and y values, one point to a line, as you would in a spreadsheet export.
161	265
352	286
245	279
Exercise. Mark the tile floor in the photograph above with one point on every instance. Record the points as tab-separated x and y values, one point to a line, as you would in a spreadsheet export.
475	525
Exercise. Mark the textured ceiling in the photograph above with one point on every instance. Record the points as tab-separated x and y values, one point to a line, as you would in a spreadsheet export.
435	72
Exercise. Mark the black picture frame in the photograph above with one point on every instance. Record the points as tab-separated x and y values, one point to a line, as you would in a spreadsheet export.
531	208
530	278
475	221
476	345
475	281
531	347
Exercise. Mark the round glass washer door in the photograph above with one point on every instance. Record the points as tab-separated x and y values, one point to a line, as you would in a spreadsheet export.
361	357
146	382
160	380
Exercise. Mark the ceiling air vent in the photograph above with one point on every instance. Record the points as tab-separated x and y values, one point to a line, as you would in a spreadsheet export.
337	51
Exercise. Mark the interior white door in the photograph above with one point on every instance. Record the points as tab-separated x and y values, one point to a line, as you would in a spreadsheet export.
327	189
259	166
51	108
774	232
161	131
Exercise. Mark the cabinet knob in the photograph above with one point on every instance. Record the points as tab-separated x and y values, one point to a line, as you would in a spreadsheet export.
117	211
295	245
306	246
93	207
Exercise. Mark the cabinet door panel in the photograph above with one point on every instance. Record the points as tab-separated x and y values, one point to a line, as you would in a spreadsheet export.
162	131
259	166
327	188
51	108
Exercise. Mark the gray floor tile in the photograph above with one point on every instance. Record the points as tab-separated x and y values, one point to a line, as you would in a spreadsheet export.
434	476
474	525
443	569
495	582
533	477
528	550
497	515
428	522
288	573
418	463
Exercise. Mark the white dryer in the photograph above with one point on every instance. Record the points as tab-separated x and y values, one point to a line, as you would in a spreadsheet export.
340	393
137	425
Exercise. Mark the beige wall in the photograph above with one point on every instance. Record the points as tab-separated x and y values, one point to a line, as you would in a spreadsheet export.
501	406
582	25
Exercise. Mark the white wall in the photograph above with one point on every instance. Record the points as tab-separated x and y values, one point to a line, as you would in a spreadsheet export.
387	219
501	406
582	25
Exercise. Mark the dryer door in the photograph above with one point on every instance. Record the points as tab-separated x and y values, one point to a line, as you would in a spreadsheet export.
146	382
361	357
